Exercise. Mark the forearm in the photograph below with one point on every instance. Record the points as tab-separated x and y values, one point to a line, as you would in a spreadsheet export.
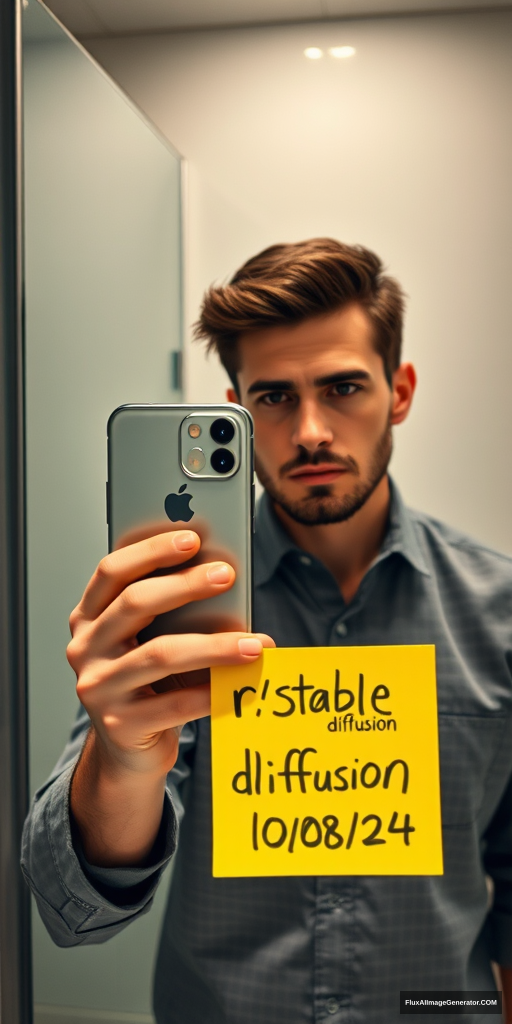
117	810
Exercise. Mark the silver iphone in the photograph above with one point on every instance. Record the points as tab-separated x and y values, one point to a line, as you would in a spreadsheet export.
173	467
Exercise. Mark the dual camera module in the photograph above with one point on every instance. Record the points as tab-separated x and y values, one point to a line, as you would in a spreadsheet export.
222	460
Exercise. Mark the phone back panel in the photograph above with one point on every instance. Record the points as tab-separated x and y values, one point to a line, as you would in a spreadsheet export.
144	445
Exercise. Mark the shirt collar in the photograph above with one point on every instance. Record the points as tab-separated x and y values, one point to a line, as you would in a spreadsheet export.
272	542
401	535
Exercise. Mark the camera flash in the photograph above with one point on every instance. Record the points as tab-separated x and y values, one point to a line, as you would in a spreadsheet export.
196	459
194	430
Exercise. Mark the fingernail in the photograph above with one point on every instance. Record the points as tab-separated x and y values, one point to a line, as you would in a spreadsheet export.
250	645
184	541
218	574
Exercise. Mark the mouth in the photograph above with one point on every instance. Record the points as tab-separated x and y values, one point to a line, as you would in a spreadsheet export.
315	475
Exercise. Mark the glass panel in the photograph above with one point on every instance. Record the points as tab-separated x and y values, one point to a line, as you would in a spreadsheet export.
103	314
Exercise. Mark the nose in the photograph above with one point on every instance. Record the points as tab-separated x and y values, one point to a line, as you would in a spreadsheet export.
311	428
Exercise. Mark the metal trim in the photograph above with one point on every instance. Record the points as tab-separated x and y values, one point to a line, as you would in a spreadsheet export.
15	946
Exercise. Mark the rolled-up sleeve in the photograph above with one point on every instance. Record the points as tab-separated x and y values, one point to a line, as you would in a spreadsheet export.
78	902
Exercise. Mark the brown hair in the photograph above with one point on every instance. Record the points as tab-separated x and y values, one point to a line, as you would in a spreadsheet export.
286	284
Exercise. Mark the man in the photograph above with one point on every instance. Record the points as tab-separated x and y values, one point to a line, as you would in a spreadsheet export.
310	335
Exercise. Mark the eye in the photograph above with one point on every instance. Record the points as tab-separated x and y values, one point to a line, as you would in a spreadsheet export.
345	388
274	398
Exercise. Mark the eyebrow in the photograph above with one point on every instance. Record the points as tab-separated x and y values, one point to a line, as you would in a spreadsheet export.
288	385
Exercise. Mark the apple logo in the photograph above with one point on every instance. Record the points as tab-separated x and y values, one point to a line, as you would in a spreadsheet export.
177	506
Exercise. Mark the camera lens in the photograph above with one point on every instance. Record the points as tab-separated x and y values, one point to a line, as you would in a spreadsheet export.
222	432
222	459
196	460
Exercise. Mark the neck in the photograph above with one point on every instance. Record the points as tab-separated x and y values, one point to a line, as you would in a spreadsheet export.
347	549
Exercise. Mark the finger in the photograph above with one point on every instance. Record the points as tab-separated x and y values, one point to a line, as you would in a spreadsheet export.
165	656
179	680
140	602
167	711
128	564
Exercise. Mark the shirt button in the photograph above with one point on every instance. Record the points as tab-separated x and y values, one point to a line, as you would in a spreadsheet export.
332	1005
336	901
305	560
341	629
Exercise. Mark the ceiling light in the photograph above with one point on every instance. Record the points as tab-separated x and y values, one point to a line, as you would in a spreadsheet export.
342	51
313	53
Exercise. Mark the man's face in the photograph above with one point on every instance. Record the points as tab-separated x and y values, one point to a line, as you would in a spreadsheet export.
322	411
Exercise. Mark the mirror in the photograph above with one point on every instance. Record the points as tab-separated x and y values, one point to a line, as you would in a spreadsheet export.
103	327
384	150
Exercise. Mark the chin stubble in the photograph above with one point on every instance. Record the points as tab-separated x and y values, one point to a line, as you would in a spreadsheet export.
321	506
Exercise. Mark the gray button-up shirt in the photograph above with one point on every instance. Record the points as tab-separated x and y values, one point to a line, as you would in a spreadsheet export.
292	950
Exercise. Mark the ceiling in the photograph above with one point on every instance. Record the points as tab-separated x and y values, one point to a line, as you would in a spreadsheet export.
89	18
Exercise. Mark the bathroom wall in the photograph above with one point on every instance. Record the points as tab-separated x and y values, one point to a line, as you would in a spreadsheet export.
406	147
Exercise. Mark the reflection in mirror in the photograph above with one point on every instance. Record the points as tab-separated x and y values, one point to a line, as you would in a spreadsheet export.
103	327
377	146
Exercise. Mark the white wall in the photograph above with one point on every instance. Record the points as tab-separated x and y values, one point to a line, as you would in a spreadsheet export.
405	147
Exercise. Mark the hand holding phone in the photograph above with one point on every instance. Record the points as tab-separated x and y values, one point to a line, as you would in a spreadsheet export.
118	787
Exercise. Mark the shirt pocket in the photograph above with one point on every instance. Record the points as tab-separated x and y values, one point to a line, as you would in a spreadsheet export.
468	745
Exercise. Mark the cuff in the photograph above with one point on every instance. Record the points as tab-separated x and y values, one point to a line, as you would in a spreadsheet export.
78	902
127	885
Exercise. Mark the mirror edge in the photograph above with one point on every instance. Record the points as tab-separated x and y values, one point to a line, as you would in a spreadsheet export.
15	946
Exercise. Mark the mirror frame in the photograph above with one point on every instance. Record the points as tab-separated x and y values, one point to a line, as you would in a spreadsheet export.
15	944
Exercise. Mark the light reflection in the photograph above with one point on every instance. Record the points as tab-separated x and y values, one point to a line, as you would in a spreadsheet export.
313	53
342	51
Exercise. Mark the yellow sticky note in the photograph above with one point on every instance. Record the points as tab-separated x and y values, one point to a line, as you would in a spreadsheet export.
325	762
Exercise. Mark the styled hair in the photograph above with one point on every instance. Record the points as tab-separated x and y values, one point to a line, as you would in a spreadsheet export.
286	284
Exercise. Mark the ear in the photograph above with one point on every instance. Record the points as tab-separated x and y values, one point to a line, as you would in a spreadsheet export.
404	385
232	396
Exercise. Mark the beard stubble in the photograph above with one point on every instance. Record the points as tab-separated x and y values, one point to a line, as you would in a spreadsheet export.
320	506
